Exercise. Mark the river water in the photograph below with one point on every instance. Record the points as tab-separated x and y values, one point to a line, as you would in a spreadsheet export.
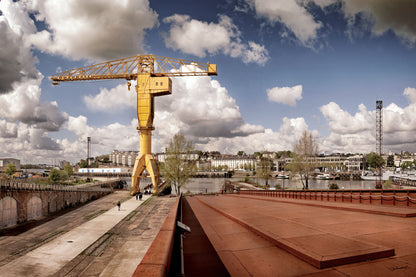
202	185
320	184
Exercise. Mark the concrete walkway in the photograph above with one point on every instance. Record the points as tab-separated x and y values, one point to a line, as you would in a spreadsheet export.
51	257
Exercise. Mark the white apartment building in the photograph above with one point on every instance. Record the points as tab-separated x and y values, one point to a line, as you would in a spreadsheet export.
234	162
124	158
193	156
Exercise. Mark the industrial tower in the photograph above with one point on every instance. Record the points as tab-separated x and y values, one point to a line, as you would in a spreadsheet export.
379	138
88	152
152	74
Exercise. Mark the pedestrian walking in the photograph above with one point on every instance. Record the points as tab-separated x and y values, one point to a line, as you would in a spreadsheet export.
118	205
137	195
140	196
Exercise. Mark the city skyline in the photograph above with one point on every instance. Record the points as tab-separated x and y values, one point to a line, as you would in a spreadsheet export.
283	67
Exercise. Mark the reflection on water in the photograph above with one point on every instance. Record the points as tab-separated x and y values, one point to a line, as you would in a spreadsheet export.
194	185
198	185
202	185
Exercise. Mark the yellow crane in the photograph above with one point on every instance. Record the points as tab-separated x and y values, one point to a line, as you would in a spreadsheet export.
152	74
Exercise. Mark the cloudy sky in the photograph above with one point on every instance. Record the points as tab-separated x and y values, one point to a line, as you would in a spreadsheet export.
283	66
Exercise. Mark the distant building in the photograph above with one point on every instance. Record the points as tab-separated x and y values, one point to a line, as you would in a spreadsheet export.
123	158
102	170
193	156
234	162
355	163
63	163
6	161
335	162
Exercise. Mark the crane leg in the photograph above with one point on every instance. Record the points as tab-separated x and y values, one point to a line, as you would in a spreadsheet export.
139	166
153	170
143	162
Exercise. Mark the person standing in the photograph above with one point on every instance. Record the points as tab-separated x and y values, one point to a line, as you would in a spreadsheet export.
118	205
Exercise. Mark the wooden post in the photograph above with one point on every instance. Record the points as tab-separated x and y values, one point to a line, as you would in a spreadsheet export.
407	202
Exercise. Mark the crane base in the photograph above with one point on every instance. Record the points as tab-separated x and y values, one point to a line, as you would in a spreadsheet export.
144	161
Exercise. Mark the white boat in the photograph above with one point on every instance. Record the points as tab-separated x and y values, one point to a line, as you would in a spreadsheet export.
282	176
371	176
324	177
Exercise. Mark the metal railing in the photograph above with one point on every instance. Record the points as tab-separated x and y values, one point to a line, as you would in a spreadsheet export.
376	197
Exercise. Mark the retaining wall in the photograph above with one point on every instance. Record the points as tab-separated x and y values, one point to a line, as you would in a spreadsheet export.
22	202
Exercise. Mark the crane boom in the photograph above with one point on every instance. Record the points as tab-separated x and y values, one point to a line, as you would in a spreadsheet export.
129	68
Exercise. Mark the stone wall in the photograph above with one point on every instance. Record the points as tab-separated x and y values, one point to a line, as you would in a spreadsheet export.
23	202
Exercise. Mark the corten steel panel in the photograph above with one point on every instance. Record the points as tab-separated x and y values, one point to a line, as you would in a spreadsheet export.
320	249
372	209
376	198
412	199
200	257
365	197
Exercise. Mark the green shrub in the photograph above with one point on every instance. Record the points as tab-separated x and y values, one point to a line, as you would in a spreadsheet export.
54	175
388	184
333	186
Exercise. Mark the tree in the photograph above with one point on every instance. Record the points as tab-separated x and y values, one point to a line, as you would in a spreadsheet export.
54	175
333	186
177	169
11	169
83	164
103	159
390	160
264	169
241	153
69	170
63	175
374	160
407	165
257	154
304	154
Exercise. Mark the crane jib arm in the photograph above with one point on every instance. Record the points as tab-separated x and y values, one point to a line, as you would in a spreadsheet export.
130	68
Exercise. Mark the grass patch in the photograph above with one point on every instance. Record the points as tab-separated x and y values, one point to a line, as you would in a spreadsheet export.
94	214
39	242
147	201
130	215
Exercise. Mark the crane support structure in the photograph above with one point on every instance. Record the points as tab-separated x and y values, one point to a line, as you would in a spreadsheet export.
152	74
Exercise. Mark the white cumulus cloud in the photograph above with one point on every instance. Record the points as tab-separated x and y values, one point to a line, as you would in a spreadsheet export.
23	104
356	133
342	122
410	93
16	60
200	38
94	30
104	139
284	139
285	95
292	14
111	100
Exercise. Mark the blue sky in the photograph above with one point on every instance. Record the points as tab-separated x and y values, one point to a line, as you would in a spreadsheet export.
283	66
